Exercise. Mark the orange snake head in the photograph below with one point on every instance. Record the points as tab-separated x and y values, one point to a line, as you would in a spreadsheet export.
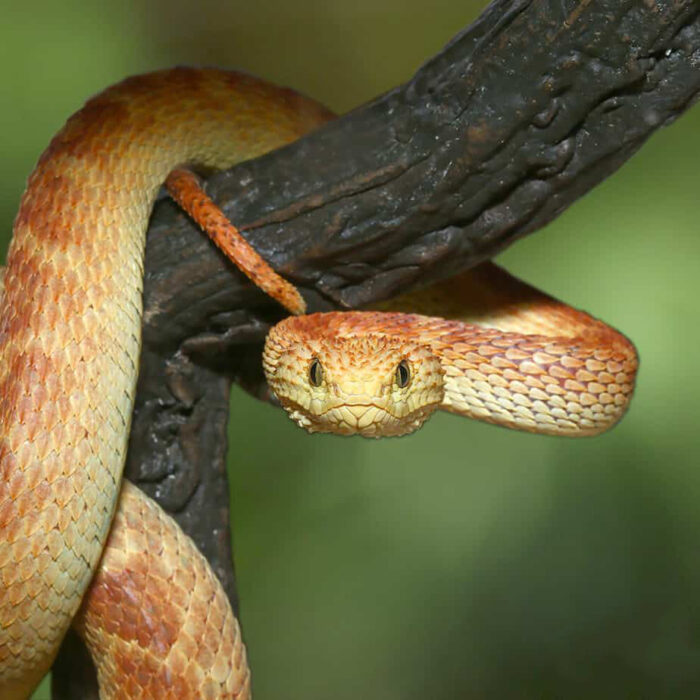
337	380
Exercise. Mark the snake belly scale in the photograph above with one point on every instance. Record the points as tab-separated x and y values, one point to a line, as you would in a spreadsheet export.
154	617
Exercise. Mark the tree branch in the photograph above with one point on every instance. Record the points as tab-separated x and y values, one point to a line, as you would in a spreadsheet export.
514	120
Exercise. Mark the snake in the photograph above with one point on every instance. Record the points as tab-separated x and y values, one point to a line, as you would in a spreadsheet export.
79	545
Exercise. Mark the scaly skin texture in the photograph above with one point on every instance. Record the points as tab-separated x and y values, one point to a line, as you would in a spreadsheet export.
70	328
504	353
155	619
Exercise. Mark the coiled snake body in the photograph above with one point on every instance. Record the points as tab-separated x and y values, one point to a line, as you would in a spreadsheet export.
154	617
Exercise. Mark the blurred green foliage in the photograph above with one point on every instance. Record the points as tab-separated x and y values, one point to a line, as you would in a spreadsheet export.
465	561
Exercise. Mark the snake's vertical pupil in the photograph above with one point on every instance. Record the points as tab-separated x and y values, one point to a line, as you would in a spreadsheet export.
403	374
315	372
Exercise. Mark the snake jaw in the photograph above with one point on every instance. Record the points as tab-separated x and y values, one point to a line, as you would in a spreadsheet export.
367	420
373	421
339	382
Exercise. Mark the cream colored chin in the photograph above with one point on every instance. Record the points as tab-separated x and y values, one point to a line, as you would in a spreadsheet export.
367	420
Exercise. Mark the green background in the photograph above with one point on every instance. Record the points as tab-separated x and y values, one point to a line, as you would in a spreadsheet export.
467	560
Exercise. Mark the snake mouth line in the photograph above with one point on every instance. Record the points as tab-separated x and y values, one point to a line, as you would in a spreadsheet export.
352	406
291	405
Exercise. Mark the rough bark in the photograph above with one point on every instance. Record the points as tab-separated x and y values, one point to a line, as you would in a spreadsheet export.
515	119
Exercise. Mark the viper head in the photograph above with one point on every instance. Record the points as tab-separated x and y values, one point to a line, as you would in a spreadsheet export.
349	380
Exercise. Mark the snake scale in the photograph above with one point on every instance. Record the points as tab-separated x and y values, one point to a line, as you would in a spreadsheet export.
80	546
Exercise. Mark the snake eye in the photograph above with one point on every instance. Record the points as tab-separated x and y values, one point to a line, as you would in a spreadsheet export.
315	372
403	374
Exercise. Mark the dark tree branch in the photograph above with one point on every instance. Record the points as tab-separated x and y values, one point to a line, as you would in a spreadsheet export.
515	119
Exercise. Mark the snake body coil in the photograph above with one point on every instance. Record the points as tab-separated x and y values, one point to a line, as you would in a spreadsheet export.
154	616
70	329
